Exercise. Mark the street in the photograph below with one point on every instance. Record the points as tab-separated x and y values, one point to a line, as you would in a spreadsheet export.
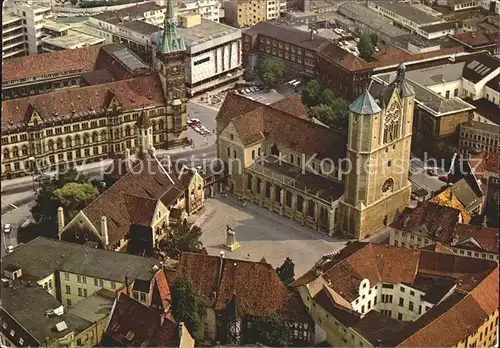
18	194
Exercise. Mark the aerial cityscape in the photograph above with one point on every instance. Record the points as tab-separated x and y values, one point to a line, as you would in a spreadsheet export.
261	173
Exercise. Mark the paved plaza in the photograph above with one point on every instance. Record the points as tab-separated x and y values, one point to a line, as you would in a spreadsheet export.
262	233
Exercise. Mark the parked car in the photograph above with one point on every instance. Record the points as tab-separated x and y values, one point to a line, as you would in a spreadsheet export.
10	249
7	228
189	122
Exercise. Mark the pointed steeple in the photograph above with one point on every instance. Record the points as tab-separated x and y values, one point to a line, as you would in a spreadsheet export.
365	104
172	40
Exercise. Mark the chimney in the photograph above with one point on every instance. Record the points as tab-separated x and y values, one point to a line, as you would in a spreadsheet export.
60	221
128	162
104	230
221	263
127	285
451	194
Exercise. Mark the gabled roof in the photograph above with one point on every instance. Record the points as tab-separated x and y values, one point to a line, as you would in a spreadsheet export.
474	283
75	103
448	199
487	238
82	59
254	122
439	220
133	324
255	285
132	200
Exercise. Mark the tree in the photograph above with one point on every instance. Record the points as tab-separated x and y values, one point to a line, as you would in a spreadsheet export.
73	2
311	94
365	47
323	113
327	97
272	72
74	196
184	238
286	271
188	306
248	74
374	39
334	115
270	330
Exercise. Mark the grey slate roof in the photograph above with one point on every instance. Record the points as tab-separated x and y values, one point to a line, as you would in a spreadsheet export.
42	257
27	305
365	104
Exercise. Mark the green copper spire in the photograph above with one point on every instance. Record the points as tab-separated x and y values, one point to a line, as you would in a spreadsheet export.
172	39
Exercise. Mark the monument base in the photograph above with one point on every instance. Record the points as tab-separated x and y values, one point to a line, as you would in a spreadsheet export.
231	247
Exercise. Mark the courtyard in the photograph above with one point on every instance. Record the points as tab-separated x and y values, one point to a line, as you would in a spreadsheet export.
261	233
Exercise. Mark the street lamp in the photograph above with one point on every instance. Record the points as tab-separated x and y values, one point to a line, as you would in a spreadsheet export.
33	167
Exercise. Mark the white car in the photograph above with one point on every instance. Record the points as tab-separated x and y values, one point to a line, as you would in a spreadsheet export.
7	228
356	39
10	249
195	120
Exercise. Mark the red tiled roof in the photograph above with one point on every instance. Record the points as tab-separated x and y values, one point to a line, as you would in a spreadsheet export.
492	162
50	63
349	61
254	122
293	106
478	38
255	285
462	319
133	324
133	199
440	220
70	103
486	237
161	292
377	263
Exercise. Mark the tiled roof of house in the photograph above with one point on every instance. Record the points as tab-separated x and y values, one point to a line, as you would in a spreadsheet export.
75	103
344	315
478	38
50	63
474	300
133	198
492	162
375	262
292	105
468	191
133	324
254	122
448	199
161	293
486	238
462	319
439	220
255	285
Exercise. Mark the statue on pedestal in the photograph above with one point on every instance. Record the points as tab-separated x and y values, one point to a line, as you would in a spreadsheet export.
231	243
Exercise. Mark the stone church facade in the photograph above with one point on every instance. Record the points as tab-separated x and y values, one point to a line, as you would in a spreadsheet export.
283	161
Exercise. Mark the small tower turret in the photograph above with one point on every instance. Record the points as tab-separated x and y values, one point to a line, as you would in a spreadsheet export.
144	134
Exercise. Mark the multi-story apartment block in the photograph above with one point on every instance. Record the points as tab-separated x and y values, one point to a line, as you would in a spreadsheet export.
13	36
370	295
246	13
33	17
431	223
295	48
479	136
207	9
99	94
47	282
405	15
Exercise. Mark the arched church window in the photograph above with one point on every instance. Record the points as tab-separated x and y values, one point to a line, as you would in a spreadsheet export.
95	137
392	123
388	185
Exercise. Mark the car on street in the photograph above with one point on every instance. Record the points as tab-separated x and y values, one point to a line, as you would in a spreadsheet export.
10	249
7	228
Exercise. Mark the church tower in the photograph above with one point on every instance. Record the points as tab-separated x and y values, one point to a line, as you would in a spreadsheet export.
378	148
169	60
144	135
